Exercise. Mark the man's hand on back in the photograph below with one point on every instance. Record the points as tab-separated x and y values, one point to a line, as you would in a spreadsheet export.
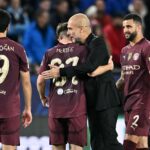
52	73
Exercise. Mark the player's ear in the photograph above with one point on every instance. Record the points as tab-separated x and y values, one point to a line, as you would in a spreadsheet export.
7	28
139	27
59	38
81	29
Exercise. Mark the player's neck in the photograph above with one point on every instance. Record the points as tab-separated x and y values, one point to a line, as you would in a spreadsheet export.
63	41
2	34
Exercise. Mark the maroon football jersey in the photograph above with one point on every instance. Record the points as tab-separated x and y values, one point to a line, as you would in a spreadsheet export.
66	97
135	62
12	61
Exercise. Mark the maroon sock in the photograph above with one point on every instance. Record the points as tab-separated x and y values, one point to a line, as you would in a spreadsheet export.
129	145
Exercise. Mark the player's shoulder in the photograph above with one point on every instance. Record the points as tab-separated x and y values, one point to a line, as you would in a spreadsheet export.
15	44
98	40
146	43
49	52
125	48
78	45
145	46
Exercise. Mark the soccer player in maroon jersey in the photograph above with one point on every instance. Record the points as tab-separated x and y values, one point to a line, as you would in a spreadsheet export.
135	61
66	100
135	79
13	66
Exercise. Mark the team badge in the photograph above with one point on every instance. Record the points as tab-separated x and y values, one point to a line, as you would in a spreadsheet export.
60	91
136	56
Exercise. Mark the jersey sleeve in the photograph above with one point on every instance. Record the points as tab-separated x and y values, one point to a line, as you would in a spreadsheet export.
44	64
122	56
23	62
146	56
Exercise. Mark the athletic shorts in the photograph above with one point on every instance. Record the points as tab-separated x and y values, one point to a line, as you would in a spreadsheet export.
10	130
68	130
137	122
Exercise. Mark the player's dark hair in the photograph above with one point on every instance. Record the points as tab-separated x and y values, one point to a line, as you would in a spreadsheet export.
135	18
4	20
61	29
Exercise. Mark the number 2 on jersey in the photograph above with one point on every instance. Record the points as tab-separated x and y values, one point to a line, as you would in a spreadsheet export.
71	60
4	68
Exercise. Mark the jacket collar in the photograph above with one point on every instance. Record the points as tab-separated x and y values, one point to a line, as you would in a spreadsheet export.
89	39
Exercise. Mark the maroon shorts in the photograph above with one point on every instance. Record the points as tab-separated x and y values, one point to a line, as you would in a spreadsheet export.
137	122
68	130
10	130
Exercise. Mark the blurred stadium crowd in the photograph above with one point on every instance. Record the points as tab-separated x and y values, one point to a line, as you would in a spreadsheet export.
34	22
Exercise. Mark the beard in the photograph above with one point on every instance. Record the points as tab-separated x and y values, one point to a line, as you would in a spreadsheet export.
131	36
77	40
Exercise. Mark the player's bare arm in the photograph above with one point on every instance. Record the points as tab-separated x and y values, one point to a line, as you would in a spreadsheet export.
27	90
120	82
41	89
102	69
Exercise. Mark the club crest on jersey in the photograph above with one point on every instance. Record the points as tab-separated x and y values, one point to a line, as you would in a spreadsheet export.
136	56
129	56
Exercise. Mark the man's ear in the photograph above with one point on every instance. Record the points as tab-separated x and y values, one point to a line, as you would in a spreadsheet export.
7	28
81	29
140	28
59	38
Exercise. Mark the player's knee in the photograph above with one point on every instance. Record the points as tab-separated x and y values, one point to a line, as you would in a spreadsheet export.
133	138
76	147
8	147
129	145
58	147
140	142
143	142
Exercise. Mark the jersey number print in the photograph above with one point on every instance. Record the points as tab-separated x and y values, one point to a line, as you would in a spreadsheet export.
61	81
4	68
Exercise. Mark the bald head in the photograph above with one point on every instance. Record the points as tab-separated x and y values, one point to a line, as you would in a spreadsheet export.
80	20
79	27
